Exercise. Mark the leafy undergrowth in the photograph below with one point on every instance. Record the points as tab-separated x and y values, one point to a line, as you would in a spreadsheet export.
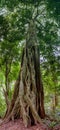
52	125
18	125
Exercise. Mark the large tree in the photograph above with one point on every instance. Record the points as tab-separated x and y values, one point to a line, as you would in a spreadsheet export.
28	97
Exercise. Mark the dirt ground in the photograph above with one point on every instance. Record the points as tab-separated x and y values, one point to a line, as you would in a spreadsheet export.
18	125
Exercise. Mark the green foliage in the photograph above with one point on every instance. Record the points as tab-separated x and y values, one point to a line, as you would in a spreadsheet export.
2	106
3	27
53	7
52	124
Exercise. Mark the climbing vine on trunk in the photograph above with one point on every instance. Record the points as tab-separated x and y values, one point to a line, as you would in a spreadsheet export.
28	98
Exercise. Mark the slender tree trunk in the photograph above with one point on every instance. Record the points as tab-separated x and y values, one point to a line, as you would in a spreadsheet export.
6	90
28	98
7	83
54	102
55	96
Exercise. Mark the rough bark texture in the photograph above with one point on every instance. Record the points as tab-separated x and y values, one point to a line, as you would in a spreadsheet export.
28	98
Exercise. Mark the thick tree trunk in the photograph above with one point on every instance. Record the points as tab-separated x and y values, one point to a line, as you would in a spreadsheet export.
28	98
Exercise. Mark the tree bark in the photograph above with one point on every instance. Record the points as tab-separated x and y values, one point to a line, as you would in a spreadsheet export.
28	98
7	83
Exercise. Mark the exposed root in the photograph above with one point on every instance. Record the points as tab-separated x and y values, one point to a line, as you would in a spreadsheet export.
34	112
50	118
23	113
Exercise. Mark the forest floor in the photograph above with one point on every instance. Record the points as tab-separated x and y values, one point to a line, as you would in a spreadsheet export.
18	125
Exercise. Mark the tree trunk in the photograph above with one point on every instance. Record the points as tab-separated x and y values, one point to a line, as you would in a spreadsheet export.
7	83
54	102
28	98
